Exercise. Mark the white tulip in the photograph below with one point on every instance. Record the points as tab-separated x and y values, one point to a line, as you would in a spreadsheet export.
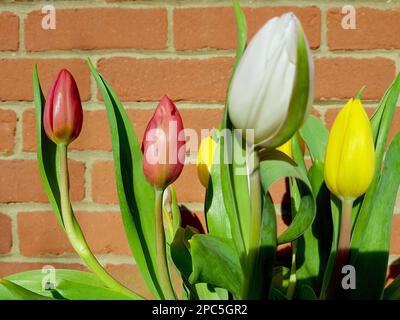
272	88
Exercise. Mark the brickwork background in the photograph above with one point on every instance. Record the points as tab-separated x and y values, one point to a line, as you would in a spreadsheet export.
183	48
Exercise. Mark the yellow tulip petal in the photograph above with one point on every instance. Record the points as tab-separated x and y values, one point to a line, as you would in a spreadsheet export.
205	159
350	155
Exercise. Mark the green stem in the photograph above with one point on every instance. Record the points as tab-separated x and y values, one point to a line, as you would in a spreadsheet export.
255	224
343	249
162	262
292	279
74	232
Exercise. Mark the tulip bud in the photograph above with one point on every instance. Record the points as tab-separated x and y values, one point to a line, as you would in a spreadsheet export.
63	114
350	154
272	88
287	147
205	159
164	145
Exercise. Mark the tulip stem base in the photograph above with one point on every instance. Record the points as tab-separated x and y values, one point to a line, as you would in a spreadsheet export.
162	262
343	249
74	232
255	227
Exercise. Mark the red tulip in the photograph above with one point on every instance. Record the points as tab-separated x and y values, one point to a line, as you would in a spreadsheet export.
63	114
164	145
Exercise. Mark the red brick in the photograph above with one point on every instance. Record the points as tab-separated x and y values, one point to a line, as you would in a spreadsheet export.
8	122
20	181
375	29
16	76
95	132
181	79
342	78
104	188
5	234
98	28
129	275
331	114
40	233
188	187
9	31
395	235
9	268
199	28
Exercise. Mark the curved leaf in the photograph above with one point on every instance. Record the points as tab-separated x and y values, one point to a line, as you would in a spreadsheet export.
315	135
372	255
215	261
279	168
68	284
135	194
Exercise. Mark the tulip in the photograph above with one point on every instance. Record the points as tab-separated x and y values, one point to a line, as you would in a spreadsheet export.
272	88
205	159
350	154
163	150
63	114
164	145
62	122
287	147
349	169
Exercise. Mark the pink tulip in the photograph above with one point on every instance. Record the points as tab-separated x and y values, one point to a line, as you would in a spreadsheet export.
63	114
164	145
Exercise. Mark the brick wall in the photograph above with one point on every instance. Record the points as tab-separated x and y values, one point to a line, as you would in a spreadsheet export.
147	48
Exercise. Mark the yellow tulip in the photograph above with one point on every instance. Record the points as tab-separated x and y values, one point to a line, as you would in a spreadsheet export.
286	148
205	159
350	154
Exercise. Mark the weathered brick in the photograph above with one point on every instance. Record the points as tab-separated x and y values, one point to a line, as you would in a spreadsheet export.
181	79
16	76
40	234
8	122
98	28
9	31
375	29
200	28
342	78
5	234
20	181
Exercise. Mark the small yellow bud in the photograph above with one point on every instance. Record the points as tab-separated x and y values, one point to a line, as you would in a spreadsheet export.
205	159
350	154
286	148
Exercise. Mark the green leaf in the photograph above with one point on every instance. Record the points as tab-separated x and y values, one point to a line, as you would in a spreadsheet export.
280	279
135	194
335	211
66	284
280	167
265	260
371	258
315	135
392	291
46	152
216	215
305	292
226	142
216	262
313	248
381	123
12	291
